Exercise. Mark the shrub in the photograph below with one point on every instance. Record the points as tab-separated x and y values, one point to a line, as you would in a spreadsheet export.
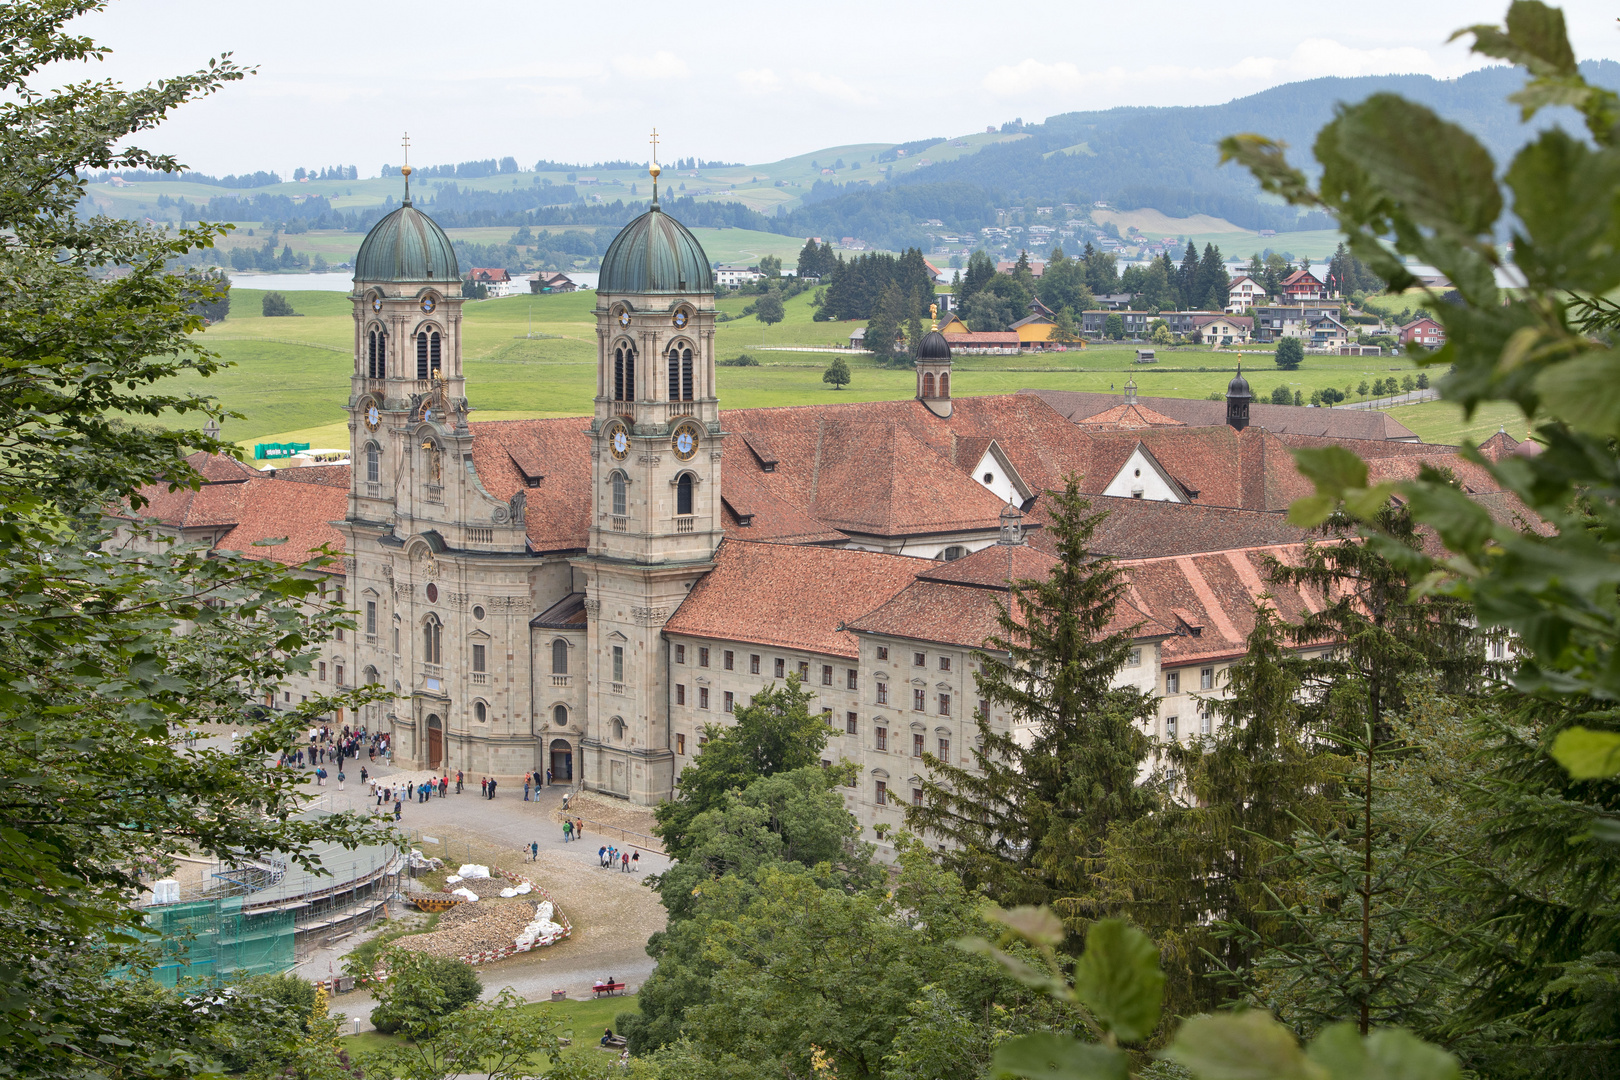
421	989
276	305
743	360
1290	353
1282	396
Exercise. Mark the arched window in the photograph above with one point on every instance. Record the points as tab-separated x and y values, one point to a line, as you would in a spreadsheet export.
618	728
481	711
559	657
624	374
683	494
432	637
928	384
423	371
618	495
373	464
945	384
433	353
377	353
559	716
680	373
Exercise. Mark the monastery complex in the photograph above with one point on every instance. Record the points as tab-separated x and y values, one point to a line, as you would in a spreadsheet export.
585	594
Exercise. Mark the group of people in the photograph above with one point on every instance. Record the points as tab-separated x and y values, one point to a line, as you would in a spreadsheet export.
531	782
573	828
327	746
626	862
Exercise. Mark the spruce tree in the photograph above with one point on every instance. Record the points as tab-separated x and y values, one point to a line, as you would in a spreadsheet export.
884	326
1212	282
1026	824
1187	279
1229	797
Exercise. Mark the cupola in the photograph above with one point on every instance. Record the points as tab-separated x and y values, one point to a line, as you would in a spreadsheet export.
933	357
1238	397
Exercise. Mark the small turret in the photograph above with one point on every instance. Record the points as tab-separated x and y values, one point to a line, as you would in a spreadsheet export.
934	373
1238	397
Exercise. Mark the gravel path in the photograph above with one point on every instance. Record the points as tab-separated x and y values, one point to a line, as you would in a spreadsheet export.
613	913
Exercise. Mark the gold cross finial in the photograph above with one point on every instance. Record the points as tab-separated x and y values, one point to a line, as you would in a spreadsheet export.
405	169
654	139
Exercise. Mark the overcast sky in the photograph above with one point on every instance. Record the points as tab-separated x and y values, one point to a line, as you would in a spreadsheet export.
338	82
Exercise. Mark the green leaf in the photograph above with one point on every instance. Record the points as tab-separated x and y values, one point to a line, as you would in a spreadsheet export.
1534	37
1312	510
1563	196
1118	978
1435	171
1036	924
1057	1057
1386	1054
1585	392
1586	754
1241	1046
1332	469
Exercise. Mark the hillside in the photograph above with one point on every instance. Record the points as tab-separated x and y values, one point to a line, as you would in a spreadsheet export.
1155	168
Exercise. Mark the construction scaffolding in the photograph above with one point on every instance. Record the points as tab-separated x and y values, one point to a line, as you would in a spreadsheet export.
212	939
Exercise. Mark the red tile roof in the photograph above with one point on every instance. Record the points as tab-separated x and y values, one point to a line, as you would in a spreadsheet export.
556	450
1130	415
789	596
219	469
325	475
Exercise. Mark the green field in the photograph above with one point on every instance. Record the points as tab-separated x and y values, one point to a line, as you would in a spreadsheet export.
290	379
582	1021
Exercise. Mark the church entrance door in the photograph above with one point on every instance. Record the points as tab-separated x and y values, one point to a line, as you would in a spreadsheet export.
617	784
435	742
562	761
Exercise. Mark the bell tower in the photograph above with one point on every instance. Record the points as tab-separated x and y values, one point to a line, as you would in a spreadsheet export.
407	350
655	489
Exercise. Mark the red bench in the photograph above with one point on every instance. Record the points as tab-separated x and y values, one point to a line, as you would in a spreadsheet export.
607	988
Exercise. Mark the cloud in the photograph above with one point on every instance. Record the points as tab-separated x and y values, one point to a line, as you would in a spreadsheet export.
830	86
1031	76
1311	59
661	65
759	81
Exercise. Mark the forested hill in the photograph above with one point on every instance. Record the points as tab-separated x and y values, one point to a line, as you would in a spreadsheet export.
1165	158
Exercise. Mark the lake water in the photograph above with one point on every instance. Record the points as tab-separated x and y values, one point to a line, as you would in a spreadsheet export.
343	281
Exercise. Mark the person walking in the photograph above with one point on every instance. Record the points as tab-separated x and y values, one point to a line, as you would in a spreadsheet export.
624	862
579	828
364	776
525	787
444	786
548	776
534	850
492	787
483	786
568	831
635	863
340	778
458	781
601	855
396	809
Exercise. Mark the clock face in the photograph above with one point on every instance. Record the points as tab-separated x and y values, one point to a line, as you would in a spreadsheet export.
680	320
373	417
376	303
428	304
619	442
686	441
624	318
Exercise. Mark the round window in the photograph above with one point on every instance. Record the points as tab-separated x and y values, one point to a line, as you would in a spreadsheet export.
478	613
989	478
432	593
481	711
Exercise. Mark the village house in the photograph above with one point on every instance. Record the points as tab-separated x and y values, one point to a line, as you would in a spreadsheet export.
1243	294
1424	332
498	282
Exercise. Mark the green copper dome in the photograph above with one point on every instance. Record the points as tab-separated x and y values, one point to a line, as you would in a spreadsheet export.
407	245
655	254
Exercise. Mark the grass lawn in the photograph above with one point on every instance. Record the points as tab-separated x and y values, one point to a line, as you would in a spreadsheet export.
1442	421
534	356
581	1021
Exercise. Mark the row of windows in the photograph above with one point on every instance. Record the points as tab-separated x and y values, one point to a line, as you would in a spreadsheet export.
1172	680
685	485
728	700
428	353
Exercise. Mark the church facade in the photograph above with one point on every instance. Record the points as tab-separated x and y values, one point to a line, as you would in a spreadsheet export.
587	595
